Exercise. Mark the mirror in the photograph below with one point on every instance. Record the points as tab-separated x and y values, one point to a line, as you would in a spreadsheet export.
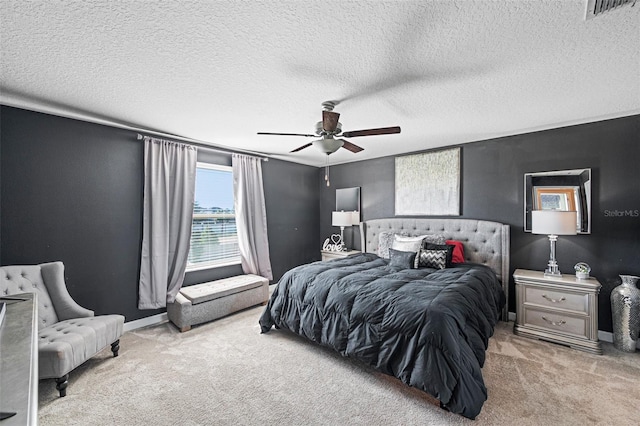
348	200
566	190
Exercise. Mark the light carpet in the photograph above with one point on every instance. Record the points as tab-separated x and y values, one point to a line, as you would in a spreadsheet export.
227	373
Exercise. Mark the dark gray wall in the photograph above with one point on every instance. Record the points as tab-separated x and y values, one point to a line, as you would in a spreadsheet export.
72	191
492	176
291	198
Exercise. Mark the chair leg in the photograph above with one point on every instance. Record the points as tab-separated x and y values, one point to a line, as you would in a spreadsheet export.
115	347
61	385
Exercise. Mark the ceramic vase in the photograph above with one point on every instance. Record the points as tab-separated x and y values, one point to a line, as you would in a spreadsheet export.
625	307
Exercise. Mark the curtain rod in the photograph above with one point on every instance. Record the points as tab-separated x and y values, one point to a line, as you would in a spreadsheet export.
205	145
22	102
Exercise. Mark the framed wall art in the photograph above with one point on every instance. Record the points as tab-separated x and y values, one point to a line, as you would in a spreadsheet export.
428	184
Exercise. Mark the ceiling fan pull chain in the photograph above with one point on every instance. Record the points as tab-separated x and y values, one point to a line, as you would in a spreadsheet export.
326	170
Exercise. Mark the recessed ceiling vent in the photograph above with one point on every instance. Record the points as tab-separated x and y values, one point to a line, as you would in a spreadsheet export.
598	7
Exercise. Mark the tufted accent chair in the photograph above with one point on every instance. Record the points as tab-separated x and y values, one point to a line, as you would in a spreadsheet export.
68	334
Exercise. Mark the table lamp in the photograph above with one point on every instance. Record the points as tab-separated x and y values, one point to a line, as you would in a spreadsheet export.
553	223
341	219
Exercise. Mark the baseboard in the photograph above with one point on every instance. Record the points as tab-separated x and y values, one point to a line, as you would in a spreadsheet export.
605	336
145	322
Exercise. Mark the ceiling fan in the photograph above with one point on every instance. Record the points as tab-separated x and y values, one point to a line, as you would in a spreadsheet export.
329	128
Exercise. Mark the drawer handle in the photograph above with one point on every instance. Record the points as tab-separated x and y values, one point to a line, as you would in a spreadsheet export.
556	323
552	300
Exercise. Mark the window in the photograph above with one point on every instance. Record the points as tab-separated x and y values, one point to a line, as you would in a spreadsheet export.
214	238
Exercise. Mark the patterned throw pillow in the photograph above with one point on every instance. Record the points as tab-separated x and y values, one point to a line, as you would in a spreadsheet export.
431	259
446	247
385	241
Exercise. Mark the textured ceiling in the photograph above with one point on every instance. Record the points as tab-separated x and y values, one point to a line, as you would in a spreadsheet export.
447	72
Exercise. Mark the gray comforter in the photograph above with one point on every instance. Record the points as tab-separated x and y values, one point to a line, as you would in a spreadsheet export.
429	328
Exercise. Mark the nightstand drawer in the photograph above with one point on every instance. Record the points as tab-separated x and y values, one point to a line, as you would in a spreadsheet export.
558	322
556	299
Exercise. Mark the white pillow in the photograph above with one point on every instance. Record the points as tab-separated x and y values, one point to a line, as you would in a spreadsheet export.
428	238
407	243
404	238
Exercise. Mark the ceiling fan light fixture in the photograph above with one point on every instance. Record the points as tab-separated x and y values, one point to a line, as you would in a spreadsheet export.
329	128
328	145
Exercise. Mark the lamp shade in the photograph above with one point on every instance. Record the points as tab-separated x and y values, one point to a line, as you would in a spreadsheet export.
341	219
553	222
355	218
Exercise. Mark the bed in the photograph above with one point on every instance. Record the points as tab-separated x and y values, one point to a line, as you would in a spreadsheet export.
428	327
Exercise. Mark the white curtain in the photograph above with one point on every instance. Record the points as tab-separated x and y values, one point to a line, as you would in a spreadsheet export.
169	188
251	215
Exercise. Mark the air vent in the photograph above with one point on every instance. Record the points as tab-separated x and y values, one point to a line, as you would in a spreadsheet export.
598	7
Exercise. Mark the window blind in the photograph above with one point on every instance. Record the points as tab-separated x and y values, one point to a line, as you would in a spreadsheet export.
214	236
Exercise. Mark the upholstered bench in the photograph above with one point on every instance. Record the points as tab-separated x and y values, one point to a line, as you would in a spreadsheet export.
205	302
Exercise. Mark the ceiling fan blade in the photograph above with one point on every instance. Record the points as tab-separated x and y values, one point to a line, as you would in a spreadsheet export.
288	134
300	148
372	132
330	121
351	147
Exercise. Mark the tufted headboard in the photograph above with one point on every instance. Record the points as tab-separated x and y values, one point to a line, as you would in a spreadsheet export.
484	241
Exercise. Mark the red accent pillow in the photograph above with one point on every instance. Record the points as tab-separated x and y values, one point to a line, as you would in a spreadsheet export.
458	251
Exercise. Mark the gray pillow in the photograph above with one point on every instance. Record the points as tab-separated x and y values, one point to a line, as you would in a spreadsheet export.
401	259
385	241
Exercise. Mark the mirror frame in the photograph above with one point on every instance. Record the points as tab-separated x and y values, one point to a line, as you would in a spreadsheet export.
348	200
561	189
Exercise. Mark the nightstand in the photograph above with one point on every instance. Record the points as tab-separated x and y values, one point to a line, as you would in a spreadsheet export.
558	309
330	255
